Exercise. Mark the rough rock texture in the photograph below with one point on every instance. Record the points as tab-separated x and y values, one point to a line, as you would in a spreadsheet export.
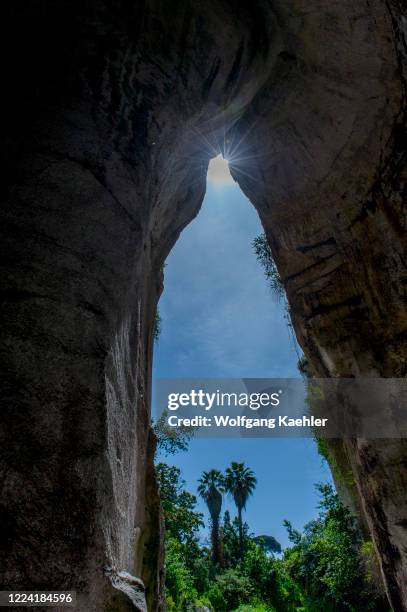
112	110
327	141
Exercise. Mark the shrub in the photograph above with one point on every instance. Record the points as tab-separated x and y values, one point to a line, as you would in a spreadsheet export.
236	588
255	607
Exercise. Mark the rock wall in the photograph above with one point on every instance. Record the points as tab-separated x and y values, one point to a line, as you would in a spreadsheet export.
112	111
326	139
109	107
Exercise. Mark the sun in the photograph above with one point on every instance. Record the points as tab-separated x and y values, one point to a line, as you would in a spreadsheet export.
218	171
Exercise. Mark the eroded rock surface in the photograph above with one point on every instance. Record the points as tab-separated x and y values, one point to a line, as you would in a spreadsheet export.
111	113
328	179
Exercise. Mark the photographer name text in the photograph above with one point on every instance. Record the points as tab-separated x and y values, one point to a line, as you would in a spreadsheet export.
246	422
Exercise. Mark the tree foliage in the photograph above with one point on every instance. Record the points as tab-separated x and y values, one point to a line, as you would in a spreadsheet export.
327	568
171	440
230	539
326	560
211	487
268	543
240	481
182	521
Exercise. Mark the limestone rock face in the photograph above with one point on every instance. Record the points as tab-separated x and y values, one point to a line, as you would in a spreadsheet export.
328	179
112	111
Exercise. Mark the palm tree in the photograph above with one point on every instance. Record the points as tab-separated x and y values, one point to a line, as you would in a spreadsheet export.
211	488
240	481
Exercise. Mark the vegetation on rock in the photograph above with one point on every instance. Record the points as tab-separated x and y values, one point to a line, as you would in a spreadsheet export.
265	258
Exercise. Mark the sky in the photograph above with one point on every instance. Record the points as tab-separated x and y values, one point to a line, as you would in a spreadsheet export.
220	320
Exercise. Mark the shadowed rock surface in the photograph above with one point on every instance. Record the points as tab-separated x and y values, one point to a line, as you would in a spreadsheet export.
111	112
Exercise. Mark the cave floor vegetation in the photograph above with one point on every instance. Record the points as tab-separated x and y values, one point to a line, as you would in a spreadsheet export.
329	565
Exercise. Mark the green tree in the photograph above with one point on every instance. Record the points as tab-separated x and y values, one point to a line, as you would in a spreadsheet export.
235	587
210	488
240	482
186	562
230	539
266	578
182	521
268	543
179	582
171	440
326	561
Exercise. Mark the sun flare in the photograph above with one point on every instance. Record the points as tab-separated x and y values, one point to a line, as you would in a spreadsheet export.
218	171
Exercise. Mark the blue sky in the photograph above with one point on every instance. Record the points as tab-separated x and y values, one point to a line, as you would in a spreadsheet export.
220	320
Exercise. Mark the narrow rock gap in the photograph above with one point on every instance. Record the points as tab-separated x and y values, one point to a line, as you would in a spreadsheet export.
218	318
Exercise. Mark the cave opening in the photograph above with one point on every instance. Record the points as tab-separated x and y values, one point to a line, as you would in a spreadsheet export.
220	319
